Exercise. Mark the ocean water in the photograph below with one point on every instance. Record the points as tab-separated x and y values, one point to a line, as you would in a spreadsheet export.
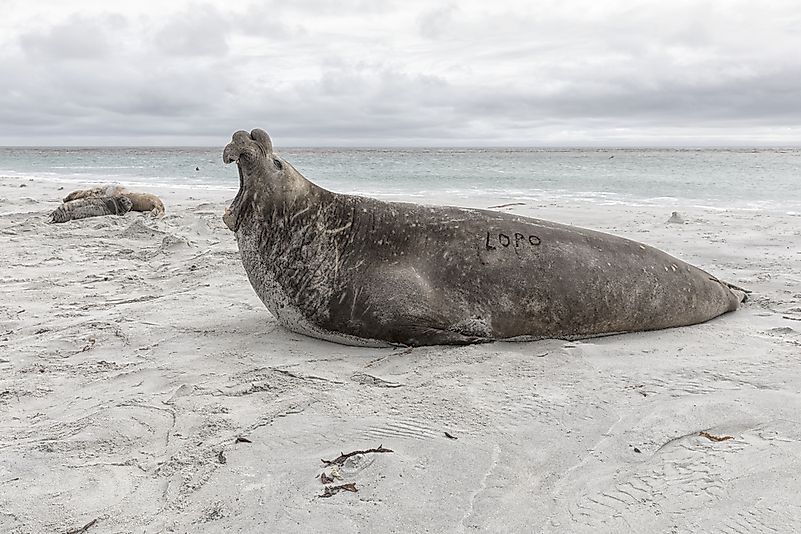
742	178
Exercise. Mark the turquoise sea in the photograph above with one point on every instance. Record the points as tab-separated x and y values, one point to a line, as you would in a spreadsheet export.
743	178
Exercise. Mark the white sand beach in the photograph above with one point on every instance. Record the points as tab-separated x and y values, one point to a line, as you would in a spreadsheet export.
134	356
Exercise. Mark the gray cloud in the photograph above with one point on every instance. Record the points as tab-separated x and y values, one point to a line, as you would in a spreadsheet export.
558	73
200	30
76	38
434	23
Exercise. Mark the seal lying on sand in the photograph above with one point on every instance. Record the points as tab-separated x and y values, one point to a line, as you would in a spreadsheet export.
360	271
140	201
90	207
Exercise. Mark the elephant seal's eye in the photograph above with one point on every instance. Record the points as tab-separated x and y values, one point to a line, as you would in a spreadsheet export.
278	164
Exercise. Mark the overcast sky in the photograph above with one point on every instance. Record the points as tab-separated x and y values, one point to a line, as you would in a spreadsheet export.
362	72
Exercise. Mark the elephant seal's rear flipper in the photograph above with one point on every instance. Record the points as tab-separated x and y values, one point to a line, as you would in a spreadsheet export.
742	294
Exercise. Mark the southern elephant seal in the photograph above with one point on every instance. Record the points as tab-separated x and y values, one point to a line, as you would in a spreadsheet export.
139	201
90	207
360	271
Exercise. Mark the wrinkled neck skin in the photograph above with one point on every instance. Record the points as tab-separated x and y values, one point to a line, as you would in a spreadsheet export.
284	229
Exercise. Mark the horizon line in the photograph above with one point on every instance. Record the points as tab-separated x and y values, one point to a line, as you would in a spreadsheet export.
445	147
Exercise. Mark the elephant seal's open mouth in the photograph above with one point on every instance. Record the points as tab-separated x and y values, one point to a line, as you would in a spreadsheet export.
230	217
248	151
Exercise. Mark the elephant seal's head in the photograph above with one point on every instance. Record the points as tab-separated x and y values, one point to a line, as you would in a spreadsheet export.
251	152
265	180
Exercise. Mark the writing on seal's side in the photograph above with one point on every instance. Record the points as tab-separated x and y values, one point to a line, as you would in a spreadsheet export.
517	240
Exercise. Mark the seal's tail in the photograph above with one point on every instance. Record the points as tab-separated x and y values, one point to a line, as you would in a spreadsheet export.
742	294
739	293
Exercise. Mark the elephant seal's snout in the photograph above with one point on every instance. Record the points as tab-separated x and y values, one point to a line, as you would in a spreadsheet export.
247	146
241	143
231	154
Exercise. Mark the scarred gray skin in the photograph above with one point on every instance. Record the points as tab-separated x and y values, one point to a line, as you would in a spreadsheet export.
360	271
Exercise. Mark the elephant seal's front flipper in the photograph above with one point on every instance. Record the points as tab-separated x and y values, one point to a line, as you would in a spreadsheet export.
90	207
360	271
